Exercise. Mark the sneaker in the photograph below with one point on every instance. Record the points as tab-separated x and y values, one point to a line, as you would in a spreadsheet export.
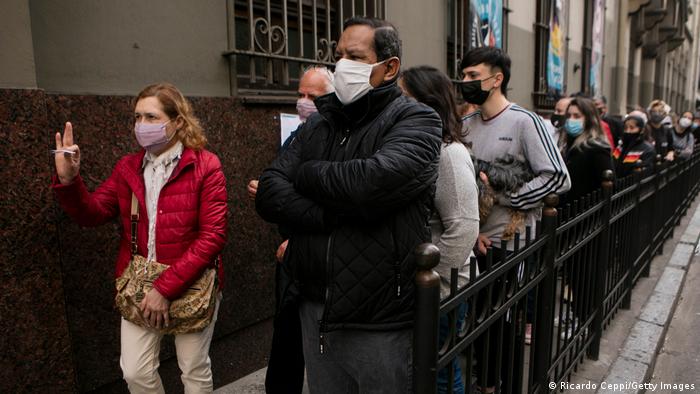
570	326
568	321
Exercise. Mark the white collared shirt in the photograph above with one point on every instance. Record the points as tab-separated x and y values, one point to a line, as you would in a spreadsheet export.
156	172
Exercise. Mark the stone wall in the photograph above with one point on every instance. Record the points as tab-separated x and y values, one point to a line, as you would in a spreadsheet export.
57	292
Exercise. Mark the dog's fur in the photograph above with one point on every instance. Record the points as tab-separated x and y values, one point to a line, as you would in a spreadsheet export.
505	175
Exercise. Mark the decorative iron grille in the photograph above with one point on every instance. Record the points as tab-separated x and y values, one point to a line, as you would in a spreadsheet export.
271	42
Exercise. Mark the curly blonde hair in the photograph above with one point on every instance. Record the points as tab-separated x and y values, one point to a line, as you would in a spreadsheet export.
175	105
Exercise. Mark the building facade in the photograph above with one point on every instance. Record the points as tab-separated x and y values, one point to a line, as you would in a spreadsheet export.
629	51
240	61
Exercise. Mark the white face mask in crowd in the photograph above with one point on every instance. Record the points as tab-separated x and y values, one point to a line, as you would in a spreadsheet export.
351	79
685	122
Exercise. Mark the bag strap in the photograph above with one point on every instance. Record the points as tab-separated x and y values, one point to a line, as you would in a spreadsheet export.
134	223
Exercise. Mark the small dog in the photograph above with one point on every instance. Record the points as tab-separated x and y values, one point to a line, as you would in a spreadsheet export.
505	175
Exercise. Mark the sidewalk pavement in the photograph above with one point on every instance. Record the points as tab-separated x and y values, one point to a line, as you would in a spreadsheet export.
630	344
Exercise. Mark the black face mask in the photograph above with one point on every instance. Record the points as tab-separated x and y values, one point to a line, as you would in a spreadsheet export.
628	139
558	120
472	93
656	118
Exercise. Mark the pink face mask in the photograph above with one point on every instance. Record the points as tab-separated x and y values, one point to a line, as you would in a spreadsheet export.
151	136
305	108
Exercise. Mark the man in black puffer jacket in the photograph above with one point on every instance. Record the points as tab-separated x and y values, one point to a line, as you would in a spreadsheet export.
354	191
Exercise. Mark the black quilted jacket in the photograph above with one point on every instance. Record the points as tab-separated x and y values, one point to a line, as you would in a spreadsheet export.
354	192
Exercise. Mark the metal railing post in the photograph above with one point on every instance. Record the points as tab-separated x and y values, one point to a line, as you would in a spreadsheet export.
426	319
602	264
544	323
658	213
635	247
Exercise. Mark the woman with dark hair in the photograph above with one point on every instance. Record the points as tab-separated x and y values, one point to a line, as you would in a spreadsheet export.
587	150
455	220
633	146
587	157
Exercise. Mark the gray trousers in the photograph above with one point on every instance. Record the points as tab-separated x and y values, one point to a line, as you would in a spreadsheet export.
355	361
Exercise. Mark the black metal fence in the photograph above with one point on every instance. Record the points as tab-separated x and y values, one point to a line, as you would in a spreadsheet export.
562	284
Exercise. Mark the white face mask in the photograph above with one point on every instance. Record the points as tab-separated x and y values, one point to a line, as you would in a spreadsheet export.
351	79
685	122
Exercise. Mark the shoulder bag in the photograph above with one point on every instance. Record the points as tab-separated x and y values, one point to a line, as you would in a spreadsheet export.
191	312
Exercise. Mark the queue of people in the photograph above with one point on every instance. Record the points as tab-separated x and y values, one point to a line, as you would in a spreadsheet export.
384	159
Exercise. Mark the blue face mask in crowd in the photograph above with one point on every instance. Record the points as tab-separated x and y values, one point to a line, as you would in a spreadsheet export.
574	127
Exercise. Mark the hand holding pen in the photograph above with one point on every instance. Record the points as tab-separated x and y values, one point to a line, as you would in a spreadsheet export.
67	155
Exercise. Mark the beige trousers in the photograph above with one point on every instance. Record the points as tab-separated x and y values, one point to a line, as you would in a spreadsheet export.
140	358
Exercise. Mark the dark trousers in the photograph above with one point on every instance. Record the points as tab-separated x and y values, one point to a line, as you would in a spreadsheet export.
285	369
355	361
494	371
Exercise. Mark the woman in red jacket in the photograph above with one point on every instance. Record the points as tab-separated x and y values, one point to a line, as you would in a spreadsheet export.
181	191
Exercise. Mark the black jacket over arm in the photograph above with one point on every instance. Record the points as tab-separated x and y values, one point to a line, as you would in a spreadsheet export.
355	190
586	165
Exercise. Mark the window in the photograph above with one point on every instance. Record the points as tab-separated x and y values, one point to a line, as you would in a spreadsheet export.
474	23
592	53
551	53
270	43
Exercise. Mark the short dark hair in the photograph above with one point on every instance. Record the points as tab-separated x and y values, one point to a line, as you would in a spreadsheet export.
492	57
433	88
580	93
387	43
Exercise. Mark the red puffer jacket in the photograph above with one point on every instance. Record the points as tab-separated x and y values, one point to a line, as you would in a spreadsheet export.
191	218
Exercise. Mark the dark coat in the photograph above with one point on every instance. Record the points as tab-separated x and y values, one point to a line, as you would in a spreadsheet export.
662	139
354	192
586	164
627	157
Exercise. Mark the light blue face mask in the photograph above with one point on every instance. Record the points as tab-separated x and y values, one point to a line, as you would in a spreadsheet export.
574	127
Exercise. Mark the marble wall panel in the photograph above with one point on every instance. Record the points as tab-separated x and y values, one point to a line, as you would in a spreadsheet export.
62	275
35	345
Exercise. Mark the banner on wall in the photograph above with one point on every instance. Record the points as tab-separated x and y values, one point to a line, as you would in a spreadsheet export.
596	76
486	23
555	52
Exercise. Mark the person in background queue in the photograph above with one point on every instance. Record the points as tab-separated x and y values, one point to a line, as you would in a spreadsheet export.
316	82
615	124
558	119
285	367
683	138
633	146
696	125
588	152
660	130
